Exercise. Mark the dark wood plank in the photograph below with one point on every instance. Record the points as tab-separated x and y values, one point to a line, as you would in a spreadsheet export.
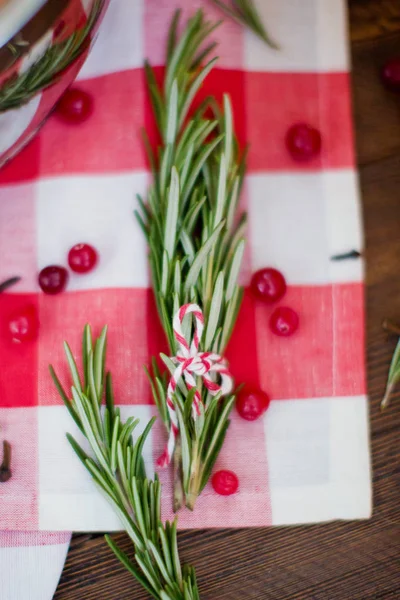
373	18
336	561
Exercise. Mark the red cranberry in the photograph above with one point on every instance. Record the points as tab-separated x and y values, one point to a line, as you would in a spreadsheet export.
391	74
225	483
53	279
82	258
251	404
284	321
303	141
268	285
75	106
23	325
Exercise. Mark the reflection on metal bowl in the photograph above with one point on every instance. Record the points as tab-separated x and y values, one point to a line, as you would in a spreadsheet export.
43	44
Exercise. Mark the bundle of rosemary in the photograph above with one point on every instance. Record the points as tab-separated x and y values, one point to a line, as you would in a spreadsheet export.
118	471
196	246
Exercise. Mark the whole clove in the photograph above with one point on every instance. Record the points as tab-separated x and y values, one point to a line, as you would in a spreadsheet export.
5	467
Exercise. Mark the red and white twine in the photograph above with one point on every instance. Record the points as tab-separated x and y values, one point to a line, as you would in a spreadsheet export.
191	364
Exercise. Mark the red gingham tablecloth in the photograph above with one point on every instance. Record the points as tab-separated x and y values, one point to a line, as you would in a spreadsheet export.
307	460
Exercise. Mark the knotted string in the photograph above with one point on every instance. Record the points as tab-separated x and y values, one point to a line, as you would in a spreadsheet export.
191	364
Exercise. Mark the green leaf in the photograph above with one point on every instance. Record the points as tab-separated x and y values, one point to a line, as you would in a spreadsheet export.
166	551
221	194
159	399
187	164
87	346
171	366
138	448
244	13
155	95
185	448
179	51
198	165
201	257
83	457
127	430
233	201
194	88
137	507
114	442
228	129
193	215
164	274
99	360
215	311
73	368
172	115
123	558
172	34
188	404
177	277
109	395
188	249
394	371
203	55
171	222
146	572
160	563
165	169
65	398
174	552
234	270
100	479
95	401
393	377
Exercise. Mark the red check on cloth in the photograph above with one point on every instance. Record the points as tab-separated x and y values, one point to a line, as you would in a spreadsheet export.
307	460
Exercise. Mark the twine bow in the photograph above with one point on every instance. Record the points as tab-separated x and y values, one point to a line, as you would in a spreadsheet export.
191	364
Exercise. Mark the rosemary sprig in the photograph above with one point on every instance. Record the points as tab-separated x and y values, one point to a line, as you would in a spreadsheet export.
118	470
195	237
21	88
245	13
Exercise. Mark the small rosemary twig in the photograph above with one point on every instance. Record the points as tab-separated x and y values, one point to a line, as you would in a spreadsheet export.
245	13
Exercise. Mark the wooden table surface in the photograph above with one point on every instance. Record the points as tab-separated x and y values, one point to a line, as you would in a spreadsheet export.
336	561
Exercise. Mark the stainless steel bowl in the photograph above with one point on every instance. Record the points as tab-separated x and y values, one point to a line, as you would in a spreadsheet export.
43	44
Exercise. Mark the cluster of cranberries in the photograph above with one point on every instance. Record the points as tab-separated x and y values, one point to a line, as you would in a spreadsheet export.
268	286
53	279
23	324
